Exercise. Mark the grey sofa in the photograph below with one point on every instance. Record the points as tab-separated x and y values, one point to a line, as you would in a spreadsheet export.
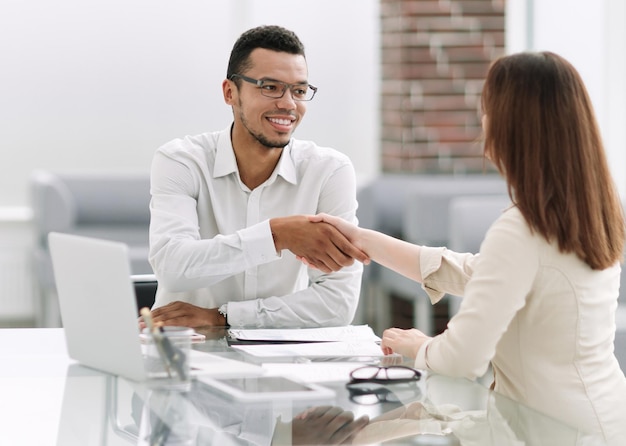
413	208
112	206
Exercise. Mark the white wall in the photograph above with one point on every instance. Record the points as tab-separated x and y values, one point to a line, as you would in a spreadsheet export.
592	36
100	85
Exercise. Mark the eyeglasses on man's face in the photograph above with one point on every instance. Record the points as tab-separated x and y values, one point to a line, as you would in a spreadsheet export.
276	89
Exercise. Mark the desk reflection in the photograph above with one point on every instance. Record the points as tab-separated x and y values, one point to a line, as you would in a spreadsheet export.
487	419
202	417
103	410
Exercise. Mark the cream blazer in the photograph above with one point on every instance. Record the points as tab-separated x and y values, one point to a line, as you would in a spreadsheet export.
543	319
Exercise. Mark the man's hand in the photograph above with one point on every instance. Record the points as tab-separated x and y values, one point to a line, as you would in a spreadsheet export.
319	243
184	314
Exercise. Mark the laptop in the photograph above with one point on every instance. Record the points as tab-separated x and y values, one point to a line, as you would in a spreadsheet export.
99	311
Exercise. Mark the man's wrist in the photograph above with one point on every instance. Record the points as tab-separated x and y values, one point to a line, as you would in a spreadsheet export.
222	312
274	228
281	227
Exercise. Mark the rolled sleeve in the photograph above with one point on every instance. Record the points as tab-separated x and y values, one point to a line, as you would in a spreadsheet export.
445	272
430	261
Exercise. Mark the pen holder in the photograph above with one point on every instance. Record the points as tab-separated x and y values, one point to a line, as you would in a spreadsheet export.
167	419
166	356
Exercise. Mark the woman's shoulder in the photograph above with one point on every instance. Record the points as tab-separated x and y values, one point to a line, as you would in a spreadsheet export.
511	225
512	216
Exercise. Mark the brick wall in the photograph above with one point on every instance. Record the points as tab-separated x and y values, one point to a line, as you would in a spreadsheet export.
435	55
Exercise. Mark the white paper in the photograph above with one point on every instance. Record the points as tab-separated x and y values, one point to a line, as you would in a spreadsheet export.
350	333
314	349
313	372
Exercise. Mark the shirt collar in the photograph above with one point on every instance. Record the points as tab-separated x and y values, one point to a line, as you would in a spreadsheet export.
226	163
286	167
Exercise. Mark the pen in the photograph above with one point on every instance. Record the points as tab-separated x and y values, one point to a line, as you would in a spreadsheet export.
175	356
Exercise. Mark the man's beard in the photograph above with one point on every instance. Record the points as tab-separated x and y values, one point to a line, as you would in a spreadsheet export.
262	139
267	142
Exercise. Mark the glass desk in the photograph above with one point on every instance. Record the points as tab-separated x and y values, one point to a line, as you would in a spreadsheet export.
48	399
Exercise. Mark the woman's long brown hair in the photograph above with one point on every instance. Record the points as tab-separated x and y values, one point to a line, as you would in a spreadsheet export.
542	135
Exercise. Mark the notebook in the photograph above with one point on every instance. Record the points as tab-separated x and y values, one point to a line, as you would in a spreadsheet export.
99	311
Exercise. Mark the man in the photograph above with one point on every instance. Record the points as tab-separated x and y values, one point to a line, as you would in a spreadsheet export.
228	209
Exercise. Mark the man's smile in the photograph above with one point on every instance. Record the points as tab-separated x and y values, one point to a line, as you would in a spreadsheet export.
282	124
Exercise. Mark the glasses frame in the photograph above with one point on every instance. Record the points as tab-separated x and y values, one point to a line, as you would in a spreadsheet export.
384	369
380	393
259	83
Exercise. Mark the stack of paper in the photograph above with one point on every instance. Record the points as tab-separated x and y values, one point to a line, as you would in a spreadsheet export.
313	372
314	349
328	342
350	333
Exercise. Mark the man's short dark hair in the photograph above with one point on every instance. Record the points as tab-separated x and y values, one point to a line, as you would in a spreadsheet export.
271	37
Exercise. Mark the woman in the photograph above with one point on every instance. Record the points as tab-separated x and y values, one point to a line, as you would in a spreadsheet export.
540	298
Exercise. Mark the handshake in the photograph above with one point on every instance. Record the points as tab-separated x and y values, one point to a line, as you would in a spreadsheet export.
320	241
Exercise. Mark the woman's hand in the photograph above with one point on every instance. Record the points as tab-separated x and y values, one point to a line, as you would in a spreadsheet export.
405	342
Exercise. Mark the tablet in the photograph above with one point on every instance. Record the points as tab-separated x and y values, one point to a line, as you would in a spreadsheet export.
267	388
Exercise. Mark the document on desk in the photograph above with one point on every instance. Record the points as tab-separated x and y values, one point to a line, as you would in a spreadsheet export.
314	349
313	372
349	333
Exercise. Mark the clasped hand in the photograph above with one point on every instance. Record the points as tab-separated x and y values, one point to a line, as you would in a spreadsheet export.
404	342
317	243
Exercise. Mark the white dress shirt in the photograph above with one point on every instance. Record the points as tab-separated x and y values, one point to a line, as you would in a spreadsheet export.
544	319
210	238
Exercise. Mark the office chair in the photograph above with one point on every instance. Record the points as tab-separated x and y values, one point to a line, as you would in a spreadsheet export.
145	289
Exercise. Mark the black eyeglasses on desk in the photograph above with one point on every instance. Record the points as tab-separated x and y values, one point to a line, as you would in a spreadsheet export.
384	375
368	384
